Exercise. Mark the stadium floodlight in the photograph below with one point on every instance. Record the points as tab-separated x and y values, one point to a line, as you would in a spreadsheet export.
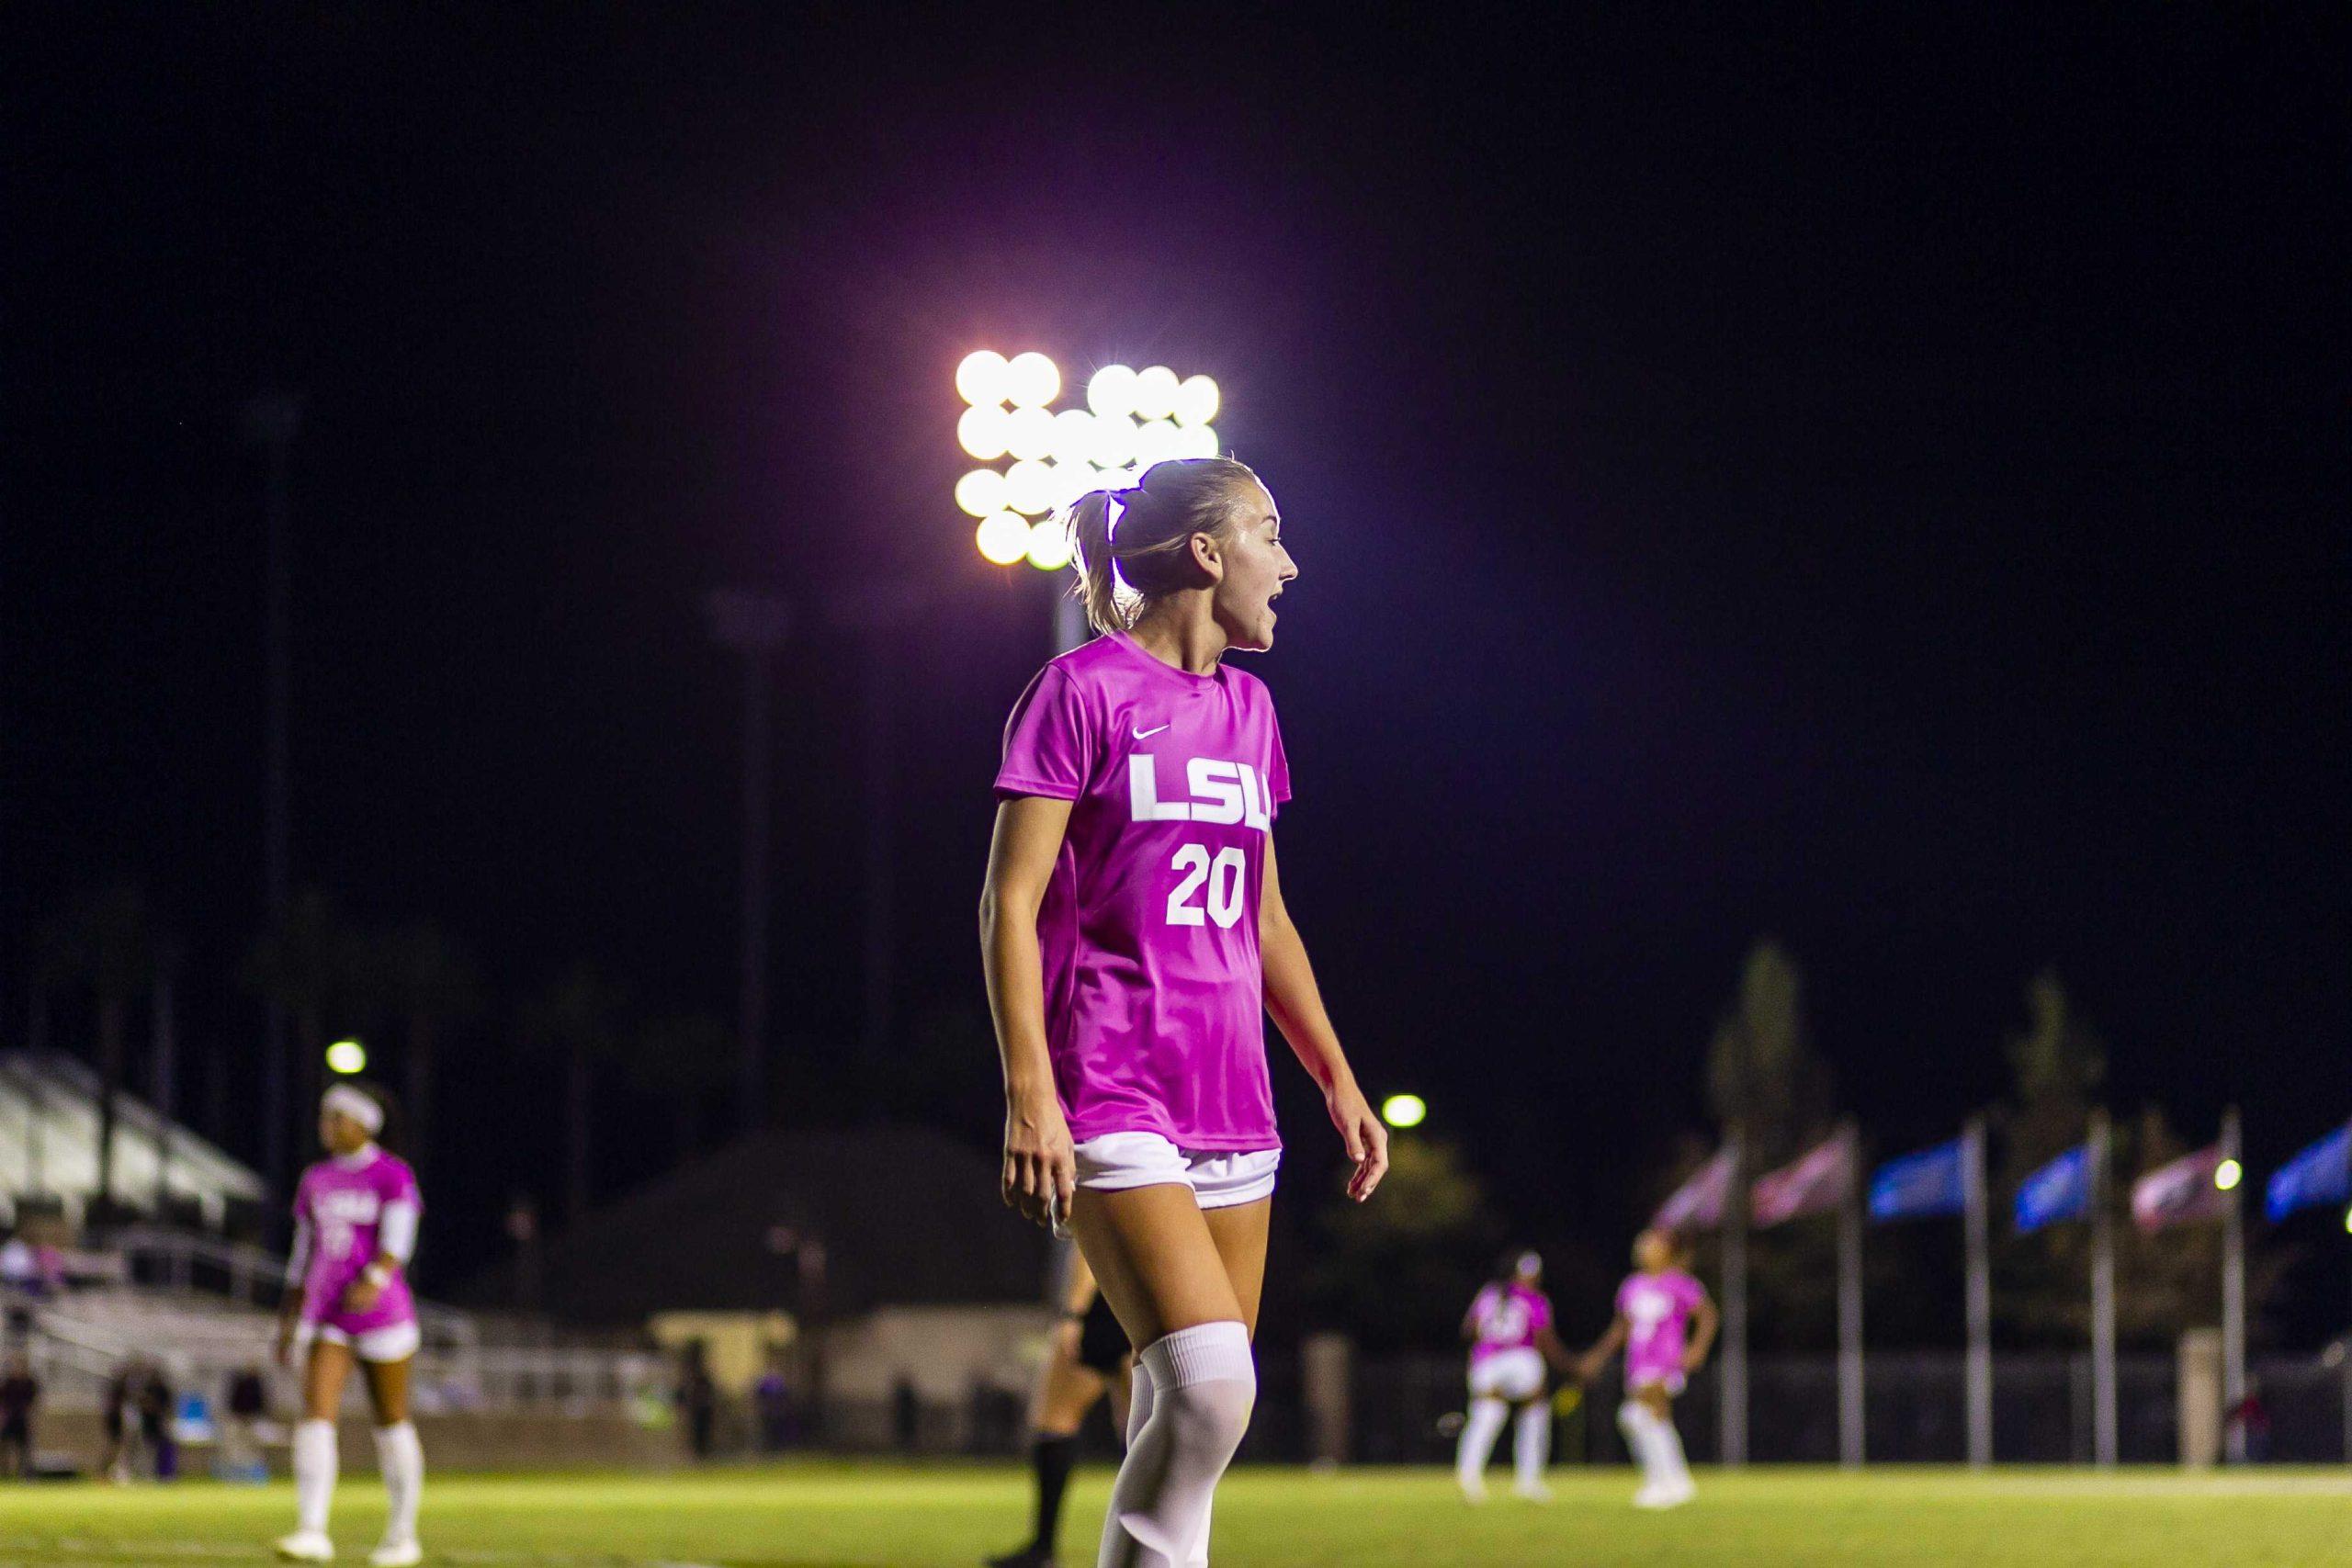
1404	1111
347	1057
982	379
2228	1174
985	432
981	492
1196	400
1032	380
1156	387
1003	538
1111	392
1049	544
1029	434
1039	459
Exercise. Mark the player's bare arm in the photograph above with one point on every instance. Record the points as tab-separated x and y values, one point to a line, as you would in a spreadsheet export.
1039	1174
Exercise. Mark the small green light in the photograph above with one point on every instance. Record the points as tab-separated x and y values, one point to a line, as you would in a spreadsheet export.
347	1057
2347	1221
1404	1111
2228	1174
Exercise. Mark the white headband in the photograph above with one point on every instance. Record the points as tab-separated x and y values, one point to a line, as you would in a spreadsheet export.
348	1101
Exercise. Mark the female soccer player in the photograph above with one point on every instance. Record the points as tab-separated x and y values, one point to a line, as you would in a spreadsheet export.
1657	1306
1134	934
1088	1360
354	1229
1509	1329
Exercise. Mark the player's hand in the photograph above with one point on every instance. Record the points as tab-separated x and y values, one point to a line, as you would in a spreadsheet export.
1040	1174
1065	1339
284	1351
1693	1360
362	1295
1364	1134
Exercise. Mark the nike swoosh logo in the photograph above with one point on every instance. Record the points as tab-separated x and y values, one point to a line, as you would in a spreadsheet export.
1146	734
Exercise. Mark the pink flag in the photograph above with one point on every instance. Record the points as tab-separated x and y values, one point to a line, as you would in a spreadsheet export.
1812	1183
1698	1203
2179	1192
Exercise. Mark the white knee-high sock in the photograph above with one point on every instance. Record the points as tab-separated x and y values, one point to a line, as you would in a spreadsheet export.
402	1459
1138	1400
1204	1383
315	1461
1530	1443
1669	1450
1633	1420
1479	1430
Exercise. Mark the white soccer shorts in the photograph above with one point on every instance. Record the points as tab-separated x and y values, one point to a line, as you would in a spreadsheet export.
396	1342
1220	1179
1515	1375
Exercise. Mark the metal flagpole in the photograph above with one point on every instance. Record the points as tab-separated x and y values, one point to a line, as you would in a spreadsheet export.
2102	1297
1980	1295
2233	1291
1849	1304
1732	1390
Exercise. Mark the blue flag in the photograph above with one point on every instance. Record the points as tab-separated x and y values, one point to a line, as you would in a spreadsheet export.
2059	1190
2321	1174
1933	1181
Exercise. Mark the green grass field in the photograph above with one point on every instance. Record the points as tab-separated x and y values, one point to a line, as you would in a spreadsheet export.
834	1515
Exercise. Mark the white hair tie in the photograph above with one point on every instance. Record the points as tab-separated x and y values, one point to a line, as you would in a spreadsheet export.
346	1100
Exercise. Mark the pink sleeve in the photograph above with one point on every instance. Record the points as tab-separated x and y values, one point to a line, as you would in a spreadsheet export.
1278	770
1539	1317
1692	1293
1049	748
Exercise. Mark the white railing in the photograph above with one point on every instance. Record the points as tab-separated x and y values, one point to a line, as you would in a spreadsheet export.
200	1264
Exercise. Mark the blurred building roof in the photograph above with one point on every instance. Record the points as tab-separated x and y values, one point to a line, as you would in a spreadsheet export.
887	1215
49	1144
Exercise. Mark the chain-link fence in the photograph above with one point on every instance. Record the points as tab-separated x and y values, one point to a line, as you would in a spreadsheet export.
1914	1411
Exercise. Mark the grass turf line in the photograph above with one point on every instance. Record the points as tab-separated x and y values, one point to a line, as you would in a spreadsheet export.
821	1515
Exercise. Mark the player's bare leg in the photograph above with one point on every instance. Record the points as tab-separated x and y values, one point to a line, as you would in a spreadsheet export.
1166	1274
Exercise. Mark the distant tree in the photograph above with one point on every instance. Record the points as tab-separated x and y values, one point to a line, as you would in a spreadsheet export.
419	975
305	964
1765	1077
2057	1067
1396	1272
686	1058
577	1018
1763	1073
107	941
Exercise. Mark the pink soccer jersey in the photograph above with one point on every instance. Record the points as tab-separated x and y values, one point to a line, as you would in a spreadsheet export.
1507	1318
344	1207
1155	1009
1656	1309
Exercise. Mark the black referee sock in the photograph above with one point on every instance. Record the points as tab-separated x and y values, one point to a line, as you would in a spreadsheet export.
1053	1458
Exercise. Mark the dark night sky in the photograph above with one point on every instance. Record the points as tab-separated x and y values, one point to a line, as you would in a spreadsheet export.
1876	481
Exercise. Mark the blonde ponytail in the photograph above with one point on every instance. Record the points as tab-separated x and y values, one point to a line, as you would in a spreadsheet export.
1154	524
1098	579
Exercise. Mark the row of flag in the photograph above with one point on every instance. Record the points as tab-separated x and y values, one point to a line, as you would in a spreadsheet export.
1935	1181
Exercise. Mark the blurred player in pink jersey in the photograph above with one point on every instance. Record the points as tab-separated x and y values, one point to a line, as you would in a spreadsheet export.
355	1215
1665	1324
1135	939
1509	1329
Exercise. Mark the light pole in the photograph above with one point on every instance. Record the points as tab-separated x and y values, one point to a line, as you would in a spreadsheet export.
876	612
1131	419
272	421
754	624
